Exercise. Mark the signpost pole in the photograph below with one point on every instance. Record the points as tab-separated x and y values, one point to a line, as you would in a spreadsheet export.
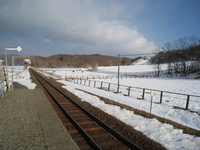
7	70
13	58
152	95
11	49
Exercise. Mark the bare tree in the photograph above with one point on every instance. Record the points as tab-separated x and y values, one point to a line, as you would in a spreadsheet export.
184	43
169	47
177	45
194	40
157	59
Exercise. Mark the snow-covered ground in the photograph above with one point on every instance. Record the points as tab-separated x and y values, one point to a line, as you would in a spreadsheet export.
20	75
164	134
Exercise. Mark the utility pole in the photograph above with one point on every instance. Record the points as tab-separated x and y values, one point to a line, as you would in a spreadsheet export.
118	73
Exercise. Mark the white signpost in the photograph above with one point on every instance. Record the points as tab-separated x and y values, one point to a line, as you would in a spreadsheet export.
10	49
152	95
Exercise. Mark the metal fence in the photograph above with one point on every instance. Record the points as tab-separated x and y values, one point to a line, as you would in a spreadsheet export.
180	100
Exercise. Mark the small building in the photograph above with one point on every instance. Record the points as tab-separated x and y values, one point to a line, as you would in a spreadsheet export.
27	61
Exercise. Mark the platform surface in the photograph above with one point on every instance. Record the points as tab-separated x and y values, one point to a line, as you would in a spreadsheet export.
28	121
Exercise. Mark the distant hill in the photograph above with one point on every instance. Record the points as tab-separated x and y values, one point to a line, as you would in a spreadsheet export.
65	60
191	53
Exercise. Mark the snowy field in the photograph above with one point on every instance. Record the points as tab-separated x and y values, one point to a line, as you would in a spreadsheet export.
169	86
165	134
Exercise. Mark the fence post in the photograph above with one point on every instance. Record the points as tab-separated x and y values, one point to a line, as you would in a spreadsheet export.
129	88
161	95
94	83
143	93
85	82
109	87
187	103
101	84
89	82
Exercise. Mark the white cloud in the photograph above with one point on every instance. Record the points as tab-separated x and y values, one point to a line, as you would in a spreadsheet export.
46	40
79	24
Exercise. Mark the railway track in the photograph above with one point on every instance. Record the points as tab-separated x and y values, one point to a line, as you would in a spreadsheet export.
88	131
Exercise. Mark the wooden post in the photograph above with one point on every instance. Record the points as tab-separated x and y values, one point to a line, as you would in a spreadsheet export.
187	103
151	104
109	87
143	93
161	95
129	88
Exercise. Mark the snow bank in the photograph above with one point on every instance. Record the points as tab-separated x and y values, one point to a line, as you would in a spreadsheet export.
164	134
22	76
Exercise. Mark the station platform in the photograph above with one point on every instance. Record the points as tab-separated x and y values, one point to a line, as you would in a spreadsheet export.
28	121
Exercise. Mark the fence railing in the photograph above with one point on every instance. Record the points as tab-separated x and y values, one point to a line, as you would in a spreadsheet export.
52	74
111	76
179	99
134	73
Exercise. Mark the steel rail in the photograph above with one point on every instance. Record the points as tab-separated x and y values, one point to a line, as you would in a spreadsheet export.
102	124
90	141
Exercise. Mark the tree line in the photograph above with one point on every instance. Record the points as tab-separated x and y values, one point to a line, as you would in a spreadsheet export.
181	56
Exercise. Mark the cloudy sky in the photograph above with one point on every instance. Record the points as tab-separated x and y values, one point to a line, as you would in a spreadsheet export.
109	27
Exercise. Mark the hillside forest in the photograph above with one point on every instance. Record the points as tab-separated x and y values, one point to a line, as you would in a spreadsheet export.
182	56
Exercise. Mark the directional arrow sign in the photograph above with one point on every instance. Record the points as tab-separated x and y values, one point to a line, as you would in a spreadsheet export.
19	48
11	49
